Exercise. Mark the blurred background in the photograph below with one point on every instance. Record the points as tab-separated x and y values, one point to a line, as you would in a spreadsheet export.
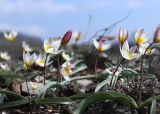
45	18
40	19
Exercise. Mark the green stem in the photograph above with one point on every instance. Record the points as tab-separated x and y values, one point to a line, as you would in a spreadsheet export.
45	69
58	75
95	67
115	71
141	74
29	97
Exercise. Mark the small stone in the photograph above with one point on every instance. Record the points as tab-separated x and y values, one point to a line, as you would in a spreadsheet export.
84	82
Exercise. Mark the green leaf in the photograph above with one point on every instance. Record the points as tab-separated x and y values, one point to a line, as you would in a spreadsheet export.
60	85
149	101
129	73
115	96
20	99
2	96
55	100
150	76
79	68
78	78
11	94
153	107
47	87
102	84
10	75
79	96
13	103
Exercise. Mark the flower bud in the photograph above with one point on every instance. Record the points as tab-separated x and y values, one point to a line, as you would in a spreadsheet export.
156	38
66	38
122	36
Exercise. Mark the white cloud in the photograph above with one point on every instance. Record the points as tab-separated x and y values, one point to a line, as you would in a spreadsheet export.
34	7
27	29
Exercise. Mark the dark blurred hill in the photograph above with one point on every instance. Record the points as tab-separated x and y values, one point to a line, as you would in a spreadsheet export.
34	42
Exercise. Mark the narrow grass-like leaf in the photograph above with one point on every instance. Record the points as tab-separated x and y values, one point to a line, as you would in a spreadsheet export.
115	96
78	78
153	107
102	84
60	85
55	100
48	86
149	101
13	103
79	68
79	96
11	94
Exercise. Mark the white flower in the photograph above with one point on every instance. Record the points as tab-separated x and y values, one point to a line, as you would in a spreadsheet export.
10	36
141	37
76	35
4	66
52	46
29	59
127	53
142	48
66	56
41	60
5	56
100	46
66	70
122	36
34	86
26	47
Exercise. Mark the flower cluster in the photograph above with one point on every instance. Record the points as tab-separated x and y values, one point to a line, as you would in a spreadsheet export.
142	47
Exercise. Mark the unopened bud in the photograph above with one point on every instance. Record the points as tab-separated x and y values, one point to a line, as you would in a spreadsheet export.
156	38
66	38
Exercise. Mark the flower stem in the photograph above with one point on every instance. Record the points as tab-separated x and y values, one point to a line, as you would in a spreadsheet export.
12	55
141	74
116	71
58	75
45	69
29	97
95	67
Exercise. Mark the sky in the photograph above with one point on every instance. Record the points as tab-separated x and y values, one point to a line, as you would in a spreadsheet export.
47	18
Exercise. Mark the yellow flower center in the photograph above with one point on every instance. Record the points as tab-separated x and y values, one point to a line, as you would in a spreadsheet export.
40	62
122	38
140	40
11	39
67	69
130	54
100	49
47	47
28	64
